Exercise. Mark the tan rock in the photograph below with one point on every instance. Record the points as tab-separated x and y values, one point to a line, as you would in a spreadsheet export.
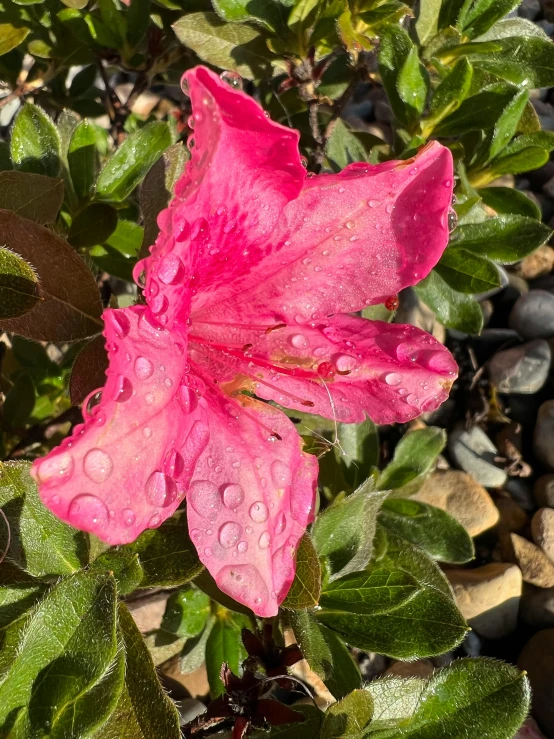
148	611
421	668
460	495
537	264
542	529
512	516
543	491
488	597
537	658
535	566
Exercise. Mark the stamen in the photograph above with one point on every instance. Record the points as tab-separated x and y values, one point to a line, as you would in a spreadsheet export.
274	328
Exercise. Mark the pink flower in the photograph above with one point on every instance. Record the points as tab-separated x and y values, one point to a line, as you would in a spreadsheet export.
249	287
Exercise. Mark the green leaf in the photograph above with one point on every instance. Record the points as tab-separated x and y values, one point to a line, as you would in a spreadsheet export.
237	47
167	554
477	695
326	654
143	710
310	727
507	27
82	158
467	272
18	591
35	143
19	285
270	13
194	651
157	190
427	20
345	146
507	123
71	307
394	50
138	20
452	91
41	543
306	587
482	14
93	225
348	717
357	449
527	63
128	165
506	238
414	458
30	195
478	112
453	309
207	585
224	644
123	565
413	82
344	532
374	610
510	201
540	139
436	532
19	403
521	161
63	653
186	612
11	37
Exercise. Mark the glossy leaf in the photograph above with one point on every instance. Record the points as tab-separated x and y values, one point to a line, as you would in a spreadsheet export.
452	90
19	285
143	710
413	83
224	644
82	157
128	165
414	458
453	309
357	450
89	370
394	50
430	528
508	200
345	146
35	143
186	612
93	225
467	272
31	195
52	675
344	532
11	36
306	586
348	717
124	566
480	15
507	238
237	47
41	544
326	654
427	20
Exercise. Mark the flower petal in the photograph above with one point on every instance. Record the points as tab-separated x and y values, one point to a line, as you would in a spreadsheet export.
350	240
342	368
126	469
243	170
251	499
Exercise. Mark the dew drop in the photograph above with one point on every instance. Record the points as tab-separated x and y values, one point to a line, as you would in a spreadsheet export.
326	370
232	495
229	534
120	323
88	512
129	517
280	524
123	389
196	534
98	465
204	497
159	304
298	341
344	362
259	512
265	540
393	379
280	474
373	203
187	398
170	270
56	468
143	368
232	78
242	547
452	220
174	464
155	521
149	398
160	490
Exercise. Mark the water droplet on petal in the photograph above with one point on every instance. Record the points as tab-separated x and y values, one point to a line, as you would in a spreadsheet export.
155	521
298	341
373	203
174	464
229	534
160	490
259	512
120	323
280	474
159	304
452	220
233	495
243	583
147	432
205	498
88	512
344	362
393	379
232	78
242	547
265	540
143	368
280	524
326	370
123	389
187	398
98	465
55	469
171	269
129	517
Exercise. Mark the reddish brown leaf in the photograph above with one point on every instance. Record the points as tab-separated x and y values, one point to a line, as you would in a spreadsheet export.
89	370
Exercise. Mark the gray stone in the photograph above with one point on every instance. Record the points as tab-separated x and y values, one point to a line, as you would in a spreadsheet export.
533	315
543	491
474	452
412	311
189	709
488	597
543	440
522	369
460	495
537	606
542	529
537	658
529	9
521	491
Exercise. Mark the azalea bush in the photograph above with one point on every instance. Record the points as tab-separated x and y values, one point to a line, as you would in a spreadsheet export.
202	248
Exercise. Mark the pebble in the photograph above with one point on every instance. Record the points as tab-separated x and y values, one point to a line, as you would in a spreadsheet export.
412	311
537	659
529	9
512	516
537	606
472	644
422	668
543	491
522	369
544	434
148	611
521	491
474	452
189	709
488	597
533	315
460	495
538	263
535	566
542	530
